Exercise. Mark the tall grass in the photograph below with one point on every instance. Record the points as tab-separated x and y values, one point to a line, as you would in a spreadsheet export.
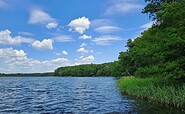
159	90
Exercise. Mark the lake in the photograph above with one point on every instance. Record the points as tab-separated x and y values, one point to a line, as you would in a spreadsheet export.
68	95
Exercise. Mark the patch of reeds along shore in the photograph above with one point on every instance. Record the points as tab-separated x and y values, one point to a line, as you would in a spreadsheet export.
159	90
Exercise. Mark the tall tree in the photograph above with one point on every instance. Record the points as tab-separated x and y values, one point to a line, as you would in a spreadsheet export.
155	6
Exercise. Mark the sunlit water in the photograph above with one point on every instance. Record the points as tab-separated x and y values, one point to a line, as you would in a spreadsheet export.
58	95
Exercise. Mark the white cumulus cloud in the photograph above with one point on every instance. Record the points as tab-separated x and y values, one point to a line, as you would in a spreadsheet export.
57	54
46	44
84	37
84	60
51	25
59	60
88	59
7	39
80	24
82	50
16	61
20	53
65	52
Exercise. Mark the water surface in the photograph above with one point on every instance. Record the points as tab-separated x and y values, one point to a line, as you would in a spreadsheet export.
56	95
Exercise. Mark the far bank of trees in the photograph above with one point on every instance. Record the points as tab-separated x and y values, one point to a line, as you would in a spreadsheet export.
26	74
105	69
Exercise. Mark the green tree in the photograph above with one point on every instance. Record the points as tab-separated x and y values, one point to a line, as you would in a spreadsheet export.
155	6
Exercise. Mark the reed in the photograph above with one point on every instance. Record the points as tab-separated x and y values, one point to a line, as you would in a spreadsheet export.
160	90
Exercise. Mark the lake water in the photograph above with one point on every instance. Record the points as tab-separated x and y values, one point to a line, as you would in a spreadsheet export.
68	95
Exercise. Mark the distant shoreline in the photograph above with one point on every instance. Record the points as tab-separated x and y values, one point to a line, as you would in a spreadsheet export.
27	74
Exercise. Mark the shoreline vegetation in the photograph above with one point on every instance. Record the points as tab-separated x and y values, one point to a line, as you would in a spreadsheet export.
26	74
161	91
90	70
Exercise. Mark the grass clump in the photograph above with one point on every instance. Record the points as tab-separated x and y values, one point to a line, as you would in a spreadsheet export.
159	90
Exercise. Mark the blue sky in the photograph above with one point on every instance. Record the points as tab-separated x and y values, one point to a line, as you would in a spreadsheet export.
40	35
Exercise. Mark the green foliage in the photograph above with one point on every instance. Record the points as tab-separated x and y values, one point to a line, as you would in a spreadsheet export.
26	74
105	69
156	7
159	90
160	51
153	71
117	69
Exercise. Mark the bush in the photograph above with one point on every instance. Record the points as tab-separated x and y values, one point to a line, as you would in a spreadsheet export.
151	71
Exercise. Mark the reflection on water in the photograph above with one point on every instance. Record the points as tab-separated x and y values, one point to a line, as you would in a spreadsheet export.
66	95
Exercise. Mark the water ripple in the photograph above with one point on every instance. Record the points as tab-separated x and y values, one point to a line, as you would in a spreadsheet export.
56	95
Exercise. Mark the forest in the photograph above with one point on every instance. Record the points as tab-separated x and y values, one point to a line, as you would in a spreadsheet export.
26	74
90	70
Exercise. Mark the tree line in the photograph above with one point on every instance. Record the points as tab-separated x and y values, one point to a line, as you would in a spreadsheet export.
26	74
105	69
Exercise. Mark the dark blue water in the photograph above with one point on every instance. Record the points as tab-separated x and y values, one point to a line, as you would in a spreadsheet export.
56	95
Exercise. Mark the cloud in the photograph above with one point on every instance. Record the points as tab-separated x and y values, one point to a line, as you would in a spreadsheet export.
81	57
57	54
3	4
80	24
106	40
84	60
88	59
63	38
82	50
38	16
26	40
51	25
46	44
142	28
123	6
7	39
84	37
59	60
105	26
20	53
16	61
65	52
101	22
83	44
25	33
147	25
108	29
